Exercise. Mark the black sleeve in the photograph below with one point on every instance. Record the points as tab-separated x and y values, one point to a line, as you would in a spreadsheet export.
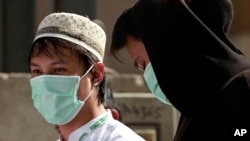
234	110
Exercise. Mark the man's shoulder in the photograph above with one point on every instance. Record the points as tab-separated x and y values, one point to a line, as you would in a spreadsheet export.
122	131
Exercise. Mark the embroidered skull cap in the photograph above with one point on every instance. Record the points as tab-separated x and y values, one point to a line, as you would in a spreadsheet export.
74	28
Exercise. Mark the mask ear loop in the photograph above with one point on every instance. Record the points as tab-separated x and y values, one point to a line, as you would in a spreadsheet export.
90	68
88	95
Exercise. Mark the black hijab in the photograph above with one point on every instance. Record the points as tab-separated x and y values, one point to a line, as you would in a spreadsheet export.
186	41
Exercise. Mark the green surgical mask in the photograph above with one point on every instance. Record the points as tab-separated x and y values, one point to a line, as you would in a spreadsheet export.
55	97
150	78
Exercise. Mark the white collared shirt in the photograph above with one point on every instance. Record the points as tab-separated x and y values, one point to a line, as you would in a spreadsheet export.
104	128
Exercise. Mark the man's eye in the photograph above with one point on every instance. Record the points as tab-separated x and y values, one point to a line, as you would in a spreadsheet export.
58	70
35	71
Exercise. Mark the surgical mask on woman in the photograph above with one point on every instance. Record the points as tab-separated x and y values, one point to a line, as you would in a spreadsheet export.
55	97
149	76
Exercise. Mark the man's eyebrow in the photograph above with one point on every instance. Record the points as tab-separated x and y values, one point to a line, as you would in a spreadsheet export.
34	64
53	63
58	62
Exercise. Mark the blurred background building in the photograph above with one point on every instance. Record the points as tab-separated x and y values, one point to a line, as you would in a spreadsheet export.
140	110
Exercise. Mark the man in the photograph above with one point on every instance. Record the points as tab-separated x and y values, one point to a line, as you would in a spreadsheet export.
183	48
68	80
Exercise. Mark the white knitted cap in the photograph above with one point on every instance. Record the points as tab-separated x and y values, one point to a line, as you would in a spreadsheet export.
74	28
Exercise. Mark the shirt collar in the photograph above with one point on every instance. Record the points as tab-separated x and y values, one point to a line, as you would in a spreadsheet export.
76	135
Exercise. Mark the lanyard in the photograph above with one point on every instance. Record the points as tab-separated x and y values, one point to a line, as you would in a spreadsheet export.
95	125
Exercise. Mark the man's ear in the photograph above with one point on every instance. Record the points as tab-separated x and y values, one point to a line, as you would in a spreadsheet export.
98	72
116	114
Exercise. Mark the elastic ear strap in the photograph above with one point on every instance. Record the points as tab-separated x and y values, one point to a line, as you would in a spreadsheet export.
88	95
87	71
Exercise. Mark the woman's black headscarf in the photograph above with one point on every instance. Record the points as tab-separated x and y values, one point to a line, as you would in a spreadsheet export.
186	41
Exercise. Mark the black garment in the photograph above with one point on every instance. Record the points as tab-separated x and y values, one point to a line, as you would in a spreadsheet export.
197	67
